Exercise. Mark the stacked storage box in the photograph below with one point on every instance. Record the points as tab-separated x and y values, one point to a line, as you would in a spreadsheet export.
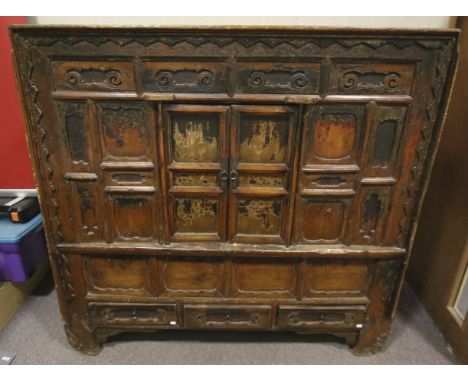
22	248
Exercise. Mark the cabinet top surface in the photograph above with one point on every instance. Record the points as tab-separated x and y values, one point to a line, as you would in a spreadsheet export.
239	29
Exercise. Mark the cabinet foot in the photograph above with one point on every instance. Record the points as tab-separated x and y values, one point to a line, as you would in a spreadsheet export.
86	344
371	342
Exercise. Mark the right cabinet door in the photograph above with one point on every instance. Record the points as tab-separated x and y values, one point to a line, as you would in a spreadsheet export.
262	145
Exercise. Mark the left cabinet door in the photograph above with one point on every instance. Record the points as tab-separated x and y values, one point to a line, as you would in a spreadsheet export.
196	164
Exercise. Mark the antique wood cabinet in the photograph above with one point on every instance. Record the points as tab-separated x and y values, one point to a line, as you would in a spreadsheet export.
231	178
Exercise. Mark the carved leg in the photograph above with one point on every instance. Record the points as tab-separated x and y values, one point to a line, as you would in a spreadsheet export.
376	330
72	292
372	340
83	341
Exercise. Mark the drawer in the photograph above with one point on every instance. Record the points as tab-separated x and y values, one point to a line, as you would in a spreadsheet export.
129	178
282	78
93	75
375	78
333	183
134	314
184	77
321	317
227	316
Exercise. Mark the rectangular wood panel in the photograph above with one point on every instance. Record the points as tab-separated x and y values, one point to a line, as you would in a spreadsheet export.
118	276
256	278
191	277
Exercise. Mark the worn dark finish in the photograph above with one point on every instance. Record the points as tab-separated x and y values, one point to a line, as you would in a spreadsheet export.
235	178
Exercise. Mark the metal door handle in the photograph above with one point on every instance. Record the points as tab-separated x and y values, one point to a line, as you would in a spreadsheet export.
233	179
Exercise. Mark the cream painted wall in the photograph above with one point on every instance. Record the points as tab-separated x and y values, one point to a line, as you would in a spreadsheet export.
339	21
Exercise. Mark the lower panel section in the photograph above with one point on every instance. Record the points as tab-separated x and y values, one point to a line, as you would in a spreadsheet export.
219	277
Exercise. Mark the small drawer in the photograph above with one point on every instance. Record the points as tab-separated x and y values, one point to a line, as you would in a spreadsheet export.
357	78
134	314
326	182
93	75
184	77
321	317
278	78
227	316
128	178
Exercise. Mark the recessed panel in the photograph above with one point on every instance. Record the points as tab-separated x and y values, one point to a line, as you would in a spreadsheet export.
191	277
93	75
196	215
118	276
263	180
264	139
334	136
372	78
336	277
263	279
323	220
123	126
87	219
194	179
195	138
371	214
133	217
184	77
259	216
388	125
269	77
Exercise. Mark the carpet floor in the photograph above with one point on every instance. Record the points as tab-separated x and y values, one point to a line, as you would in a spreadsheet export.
36	335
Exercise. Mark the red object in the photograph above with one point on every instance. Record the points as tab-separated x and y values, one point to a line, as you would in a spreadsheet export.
15	166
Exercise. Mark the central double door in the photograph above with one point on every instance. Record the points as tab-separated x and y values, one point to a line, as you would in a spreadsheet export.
229	171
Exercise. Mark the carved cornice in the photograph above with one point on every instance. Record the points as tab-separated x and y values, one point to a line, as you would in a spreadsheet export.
216	38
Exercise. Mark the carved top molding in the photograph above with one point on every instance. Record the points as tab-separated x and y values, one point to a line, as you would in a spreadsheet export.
321	38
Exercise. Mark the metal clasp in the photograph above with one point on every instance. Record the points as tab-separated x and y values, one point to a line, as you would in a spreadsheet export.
223	179
233	179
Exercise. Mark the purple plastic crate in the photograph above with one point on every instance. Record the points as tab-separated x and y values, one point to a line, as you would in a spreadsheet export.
22	248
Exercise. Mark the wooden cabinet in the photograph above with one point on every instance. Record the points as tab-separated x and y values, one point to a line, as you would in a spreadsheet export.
231	178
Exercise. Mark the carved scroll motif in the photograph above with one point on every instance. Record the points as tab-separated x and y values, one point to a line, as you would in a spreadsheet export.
201	80
79	78
278	80
366	80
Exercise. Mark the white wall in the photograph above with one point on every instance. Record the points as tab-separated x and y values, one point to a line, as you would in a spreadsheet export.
339	21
